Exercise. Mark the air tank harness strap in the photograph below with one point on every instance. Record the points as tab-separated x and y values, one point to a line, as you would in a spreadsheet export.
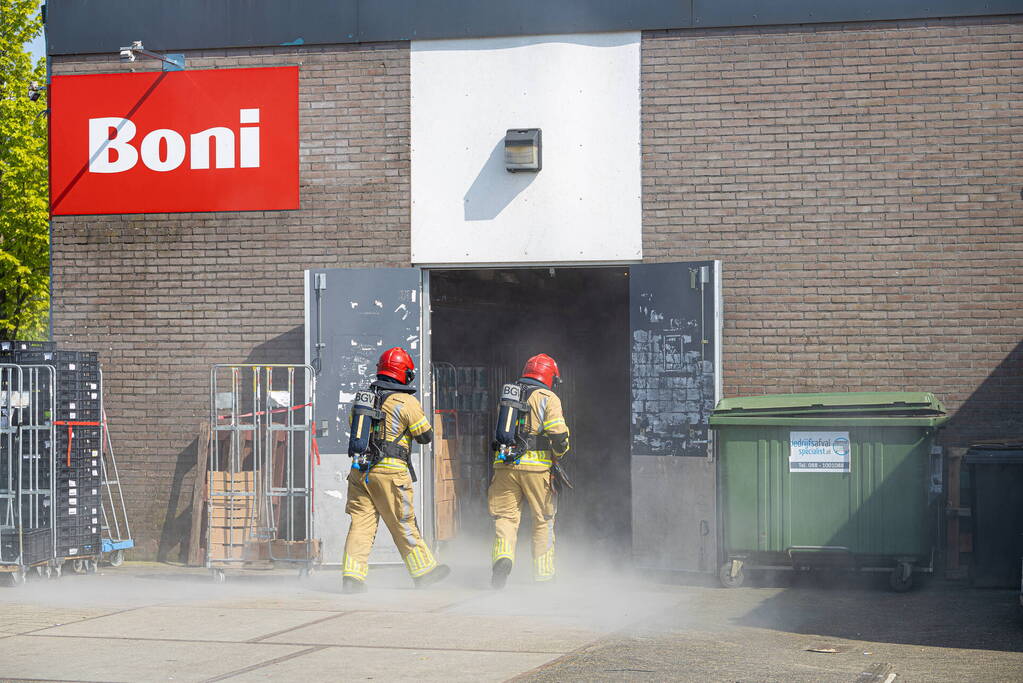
392	449
537	442
533	442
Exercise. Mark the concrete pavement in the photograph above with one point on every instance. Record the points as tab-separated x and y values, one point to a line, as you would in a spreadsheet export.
154	622
150	622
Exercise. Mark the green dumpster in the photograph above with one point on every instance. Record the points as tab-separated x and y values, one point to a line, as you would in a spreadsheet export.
809	481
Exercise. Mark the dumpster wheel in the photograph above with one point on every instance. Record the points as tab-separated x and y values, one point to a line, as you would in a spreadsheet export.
901	578
731	575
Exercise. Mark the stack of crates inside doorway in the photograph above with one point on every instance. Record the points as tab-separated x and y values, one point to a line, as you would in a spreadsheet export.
78	502
464	428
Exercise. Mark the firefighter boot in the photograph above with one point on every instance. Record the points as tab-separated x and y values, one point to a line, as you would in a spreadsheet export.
435	575
499	577
350	585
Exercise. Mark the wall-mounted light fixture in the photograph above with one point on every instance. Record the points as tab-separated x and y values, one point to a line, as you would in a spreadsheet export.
171	62
522	150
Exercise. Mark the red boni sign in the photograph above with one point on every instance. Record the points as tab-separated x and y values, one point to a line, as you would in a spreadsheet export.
170	141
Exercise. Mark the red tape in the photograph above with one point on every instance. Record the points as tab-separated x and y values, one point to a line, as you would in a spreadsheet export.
71	424
264	412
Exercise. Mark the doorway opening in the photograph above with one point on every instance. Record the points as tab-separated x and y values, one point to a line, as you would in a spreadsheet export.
485	323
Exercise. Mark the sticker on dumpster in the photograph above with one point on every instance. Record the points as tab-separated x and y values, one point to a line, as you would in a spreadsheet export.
819	451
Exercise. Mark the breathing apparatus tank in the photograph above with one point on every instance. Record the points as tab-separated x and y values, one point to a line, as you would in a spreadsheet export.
511	417
365	417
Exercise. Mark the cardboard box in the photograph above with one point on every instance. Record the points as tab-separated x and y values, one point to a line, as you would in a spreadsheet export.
442	469
226	552
295	550
256	551
238	482
446	523
236	517
444	489
234	535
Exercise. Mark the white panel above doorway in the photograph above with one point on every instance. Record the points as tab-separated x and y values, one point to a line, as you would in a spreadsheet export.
583	206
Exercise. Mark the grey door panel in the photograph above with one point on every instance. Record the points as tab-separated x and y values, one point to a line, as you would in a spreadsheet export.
674	322
364	312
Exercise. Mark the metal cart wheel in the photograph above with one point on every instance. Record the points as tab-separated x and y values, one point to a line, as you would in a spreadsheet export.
218	575
306	572
731	577
55	571
91	566
901	578
15	578
80	566
116	558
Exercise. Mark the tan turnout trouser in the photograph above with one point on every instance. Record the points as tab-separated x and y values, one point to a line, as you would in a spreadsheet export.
387	495
507	490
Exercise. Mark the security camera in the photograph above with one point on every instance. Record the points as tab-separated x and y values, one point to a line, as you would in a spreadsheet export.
34	90
127	54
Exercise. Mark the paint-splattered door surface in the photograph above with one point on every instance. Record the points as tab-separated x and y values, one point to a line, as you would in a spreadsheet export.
674	320
352	316
674	358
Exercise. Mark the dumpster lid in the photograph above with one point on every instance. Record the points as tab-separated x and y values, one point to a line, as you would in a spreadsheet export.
995	453
859	403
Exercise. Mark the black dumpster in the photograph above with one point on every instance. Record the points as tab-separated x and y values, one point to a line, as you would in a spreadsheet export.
996	492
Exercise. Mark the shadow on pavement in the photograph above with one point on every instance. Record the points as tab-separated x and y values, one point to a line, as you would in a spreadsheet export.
937	614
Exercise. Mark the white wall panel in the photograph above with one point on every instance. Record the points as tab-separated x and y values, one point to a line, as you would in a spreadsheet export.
584	205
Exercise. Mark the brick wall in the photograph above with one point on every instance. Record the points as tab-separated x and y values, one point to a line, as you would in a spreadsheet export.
861	184
164	296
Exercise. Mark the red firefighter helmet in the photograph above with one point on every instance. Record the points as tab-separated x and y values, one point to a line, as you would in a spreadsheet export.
542	367
397	364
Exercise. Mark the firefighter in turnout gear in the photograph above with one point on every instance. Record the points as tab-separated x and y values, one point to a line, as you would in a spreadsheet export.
531	436
385	419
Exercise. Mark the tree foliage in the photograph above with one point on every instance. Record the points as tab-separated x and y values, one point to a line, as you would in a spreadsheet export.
24	192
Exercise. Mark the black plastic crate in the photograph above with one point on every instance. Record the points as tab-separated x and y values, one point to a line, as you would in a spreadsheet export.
70	527
66	356
35	357
78	451
81	465
71	375
73	525
37	546
92	493
89	549
77	519
81	479
81	459
13	346
78	411
85	502
82	471
64	490
84	393
78	432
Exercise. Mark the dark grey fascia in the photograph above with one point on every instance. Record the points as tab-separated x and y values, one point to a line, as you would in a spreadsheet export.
99	26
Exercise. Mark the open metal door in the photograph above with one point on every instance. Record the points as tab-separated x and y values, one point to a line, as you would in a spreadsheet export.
675	325
352	315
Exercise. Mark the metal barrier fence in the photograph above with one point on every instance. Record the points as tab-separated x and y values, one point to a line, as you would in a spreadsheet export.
259	479
27	469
